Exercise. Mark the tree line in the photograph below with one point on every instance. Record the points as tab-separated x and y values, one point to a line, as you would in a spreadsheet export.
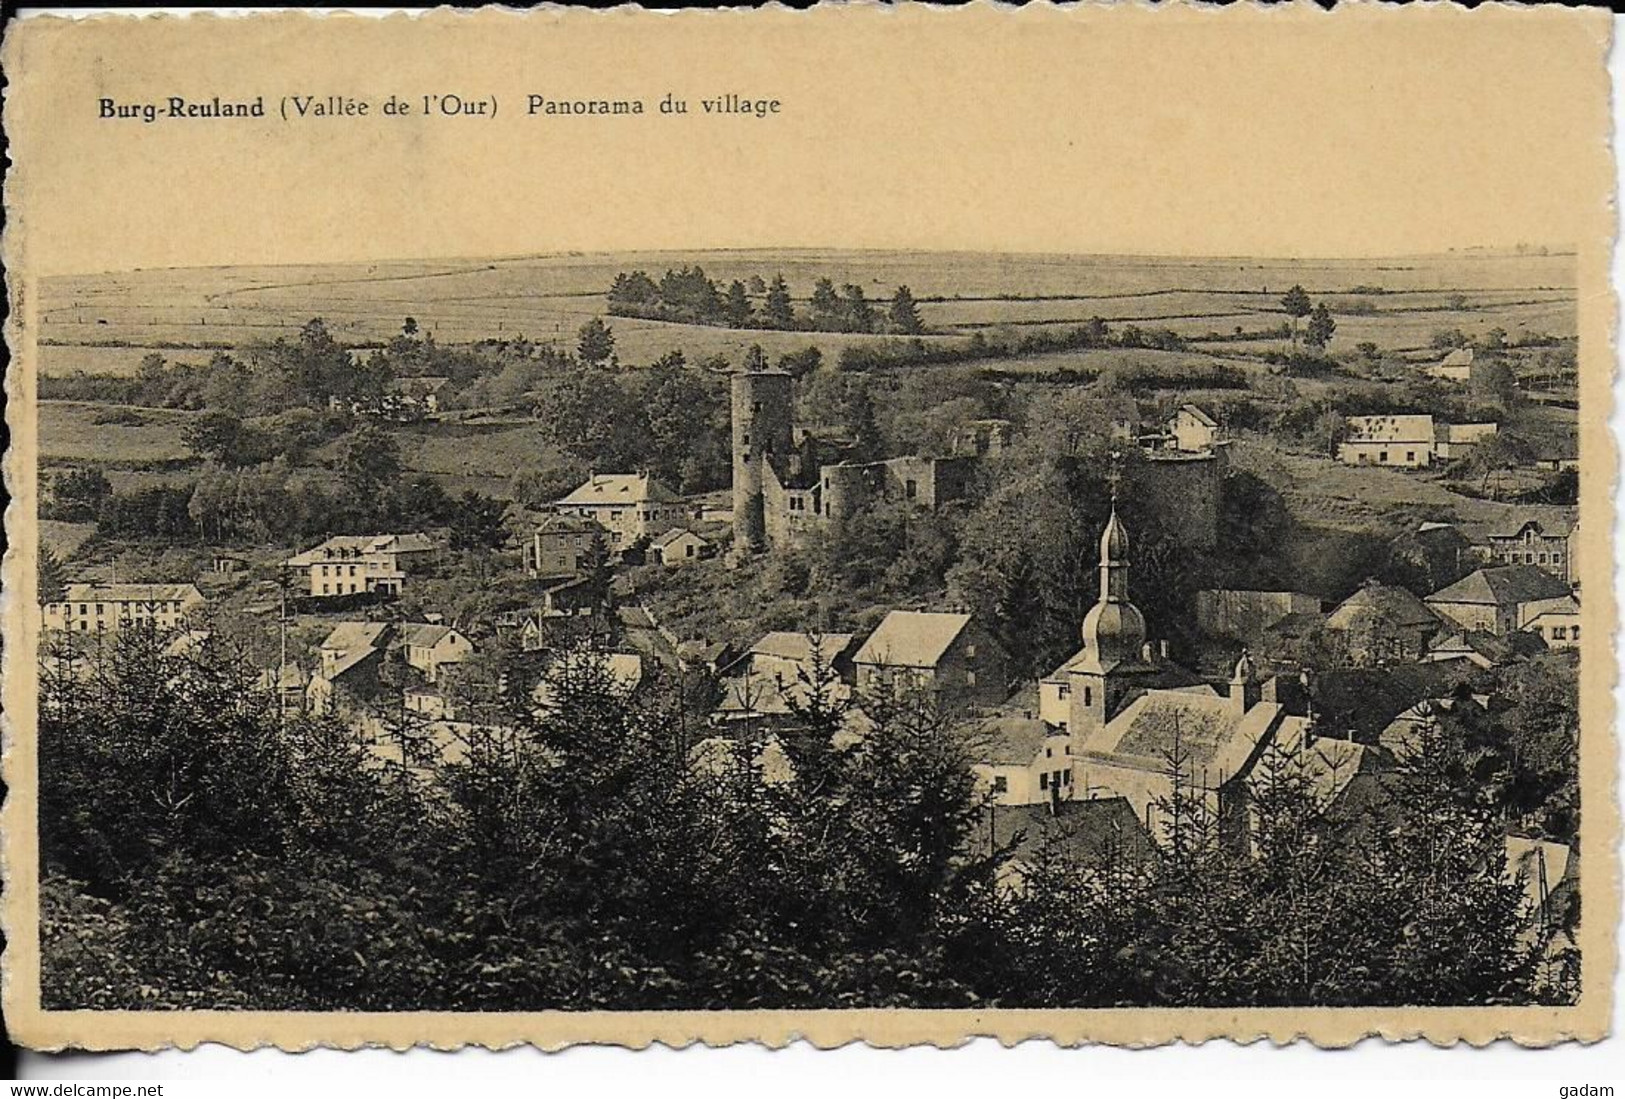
690	296
201	850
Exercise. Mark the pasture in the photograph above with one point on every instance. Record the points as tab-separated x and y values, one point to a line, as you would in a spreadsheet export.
546	298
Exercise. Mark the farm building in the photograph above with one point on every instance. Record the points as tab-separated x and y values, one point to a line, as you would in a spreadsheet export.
679	547
1381	623
1402	441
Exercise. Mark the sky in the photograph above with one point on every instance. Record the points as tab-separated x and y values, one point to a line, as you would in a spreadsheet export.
1180	131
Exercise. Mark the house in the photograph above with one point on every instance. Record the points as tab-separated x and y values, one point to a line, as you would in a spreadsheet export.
1491	599
107	608
1382	623
559	547
949	655
1452	442
430	702
351	657
1022	760
1102	834
629	506
1244	615
679	547
429	648
766	760
1555	621
1545	543
1455	367
1401	441
780	672
709	657
1193	429
367	563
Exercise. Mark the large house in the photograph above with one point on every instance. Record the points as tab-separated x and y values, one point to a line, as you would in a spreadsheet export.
1404	441
107	608
948	655
629	506
1548	543
1492	599
356	564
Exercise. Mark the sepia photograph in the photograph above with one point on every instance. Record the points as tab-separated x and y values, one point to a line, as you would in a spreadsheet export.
459	618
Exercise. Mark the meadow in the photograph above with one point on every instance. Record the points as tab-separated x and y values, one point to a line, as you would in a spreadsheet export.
546	298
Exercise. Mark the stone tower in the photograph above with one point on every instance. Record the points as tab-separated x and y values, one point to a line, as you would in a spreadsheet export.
762	408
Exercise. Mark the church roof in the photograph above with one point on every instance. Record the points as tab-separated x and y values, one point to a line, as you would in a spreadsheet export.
1205	729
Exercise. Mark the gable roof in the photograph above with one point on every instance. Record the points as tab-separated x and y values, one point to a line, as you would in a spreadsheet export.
567	524
423	634
1380	603
132	593
1390	429
675	534
1537	608
1504	586
1009	738
350	636
912	639
611	489
1208	731
788	645
343	546
1199	415
1461	356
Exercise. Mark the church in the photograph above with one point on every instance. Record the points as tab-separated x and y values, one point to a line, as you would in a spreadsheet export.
1133	715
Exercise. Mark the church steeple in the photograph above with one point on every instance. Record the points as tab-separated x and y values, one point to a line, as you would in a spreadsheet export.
1114	629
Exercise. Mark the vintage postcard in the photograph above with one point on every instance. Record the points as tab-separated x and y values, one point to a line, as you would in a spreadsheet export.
882	524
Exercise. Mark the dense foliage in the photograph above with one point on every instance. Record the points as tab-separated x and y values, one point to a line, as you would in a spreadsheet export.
201	850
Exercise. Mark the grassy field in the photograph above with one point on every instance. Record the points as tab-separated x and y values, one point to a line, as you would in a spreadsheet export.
69	431
548	297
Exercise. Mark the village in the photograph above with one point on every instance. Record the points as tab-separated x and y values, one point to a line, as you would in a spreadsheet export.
1085	755
1124	595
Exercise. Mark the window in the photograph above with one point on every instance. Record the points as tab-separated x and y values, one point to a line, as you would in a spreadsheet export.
970	652
1382	456
1064	692
1574	632
1066	777
1048	752
970	679
1557	558
1000	784
746	437
324	589
1088	697
1542	559
324	570
1410	455
352	570
911	488
1560	633
101	609
83	609
1043	781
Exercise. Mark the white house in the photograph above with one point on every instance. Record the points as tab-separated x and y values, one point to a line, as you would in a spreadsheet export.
1022	760
1556	621
627	505
678	547
1403	441
105	608
1193	429
355	564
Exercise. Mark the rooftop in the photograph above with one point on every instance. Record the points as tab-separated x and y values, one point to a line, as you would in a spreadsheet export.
1376	602
1503	586
132	593
912	639
610	489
